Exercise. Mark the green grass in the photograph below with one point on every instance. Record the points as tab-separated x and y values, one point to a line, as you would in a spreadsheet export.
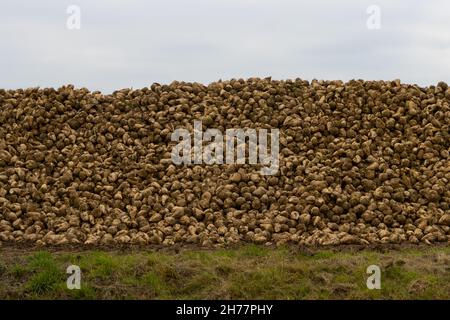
245	272
18	271
323	255
46	273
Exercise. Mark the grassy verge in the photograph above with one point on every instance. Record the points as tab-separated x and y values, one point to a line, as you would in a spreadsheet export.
247	272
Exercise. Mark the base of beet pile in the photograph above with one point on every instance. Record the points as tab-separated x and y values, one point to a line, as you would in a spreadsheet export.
359	162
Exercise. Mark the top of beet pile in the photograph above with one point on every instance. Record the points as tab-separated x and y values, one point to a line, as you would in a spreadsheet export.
359	162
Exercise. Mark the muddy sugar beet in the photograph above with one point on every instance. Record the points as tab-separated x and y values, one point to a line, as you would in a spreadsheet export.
358	163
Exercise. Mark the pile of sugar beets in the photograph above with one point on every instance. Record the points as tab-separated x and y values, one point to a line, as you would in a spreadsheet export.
360	162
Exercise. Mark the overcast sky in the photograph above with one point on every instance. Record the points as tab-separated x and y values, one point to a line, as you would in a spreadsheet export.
133	43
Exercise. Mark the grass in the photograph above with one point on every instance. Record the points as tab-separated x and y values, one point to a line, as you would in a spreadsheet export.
246	272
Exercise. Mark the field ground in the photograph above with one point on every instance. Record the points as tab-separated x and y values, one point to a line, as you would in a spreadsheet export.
243	272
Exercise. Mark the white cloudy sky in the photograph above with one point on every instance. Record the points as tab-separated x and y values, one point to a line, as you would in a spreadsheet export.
131	43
